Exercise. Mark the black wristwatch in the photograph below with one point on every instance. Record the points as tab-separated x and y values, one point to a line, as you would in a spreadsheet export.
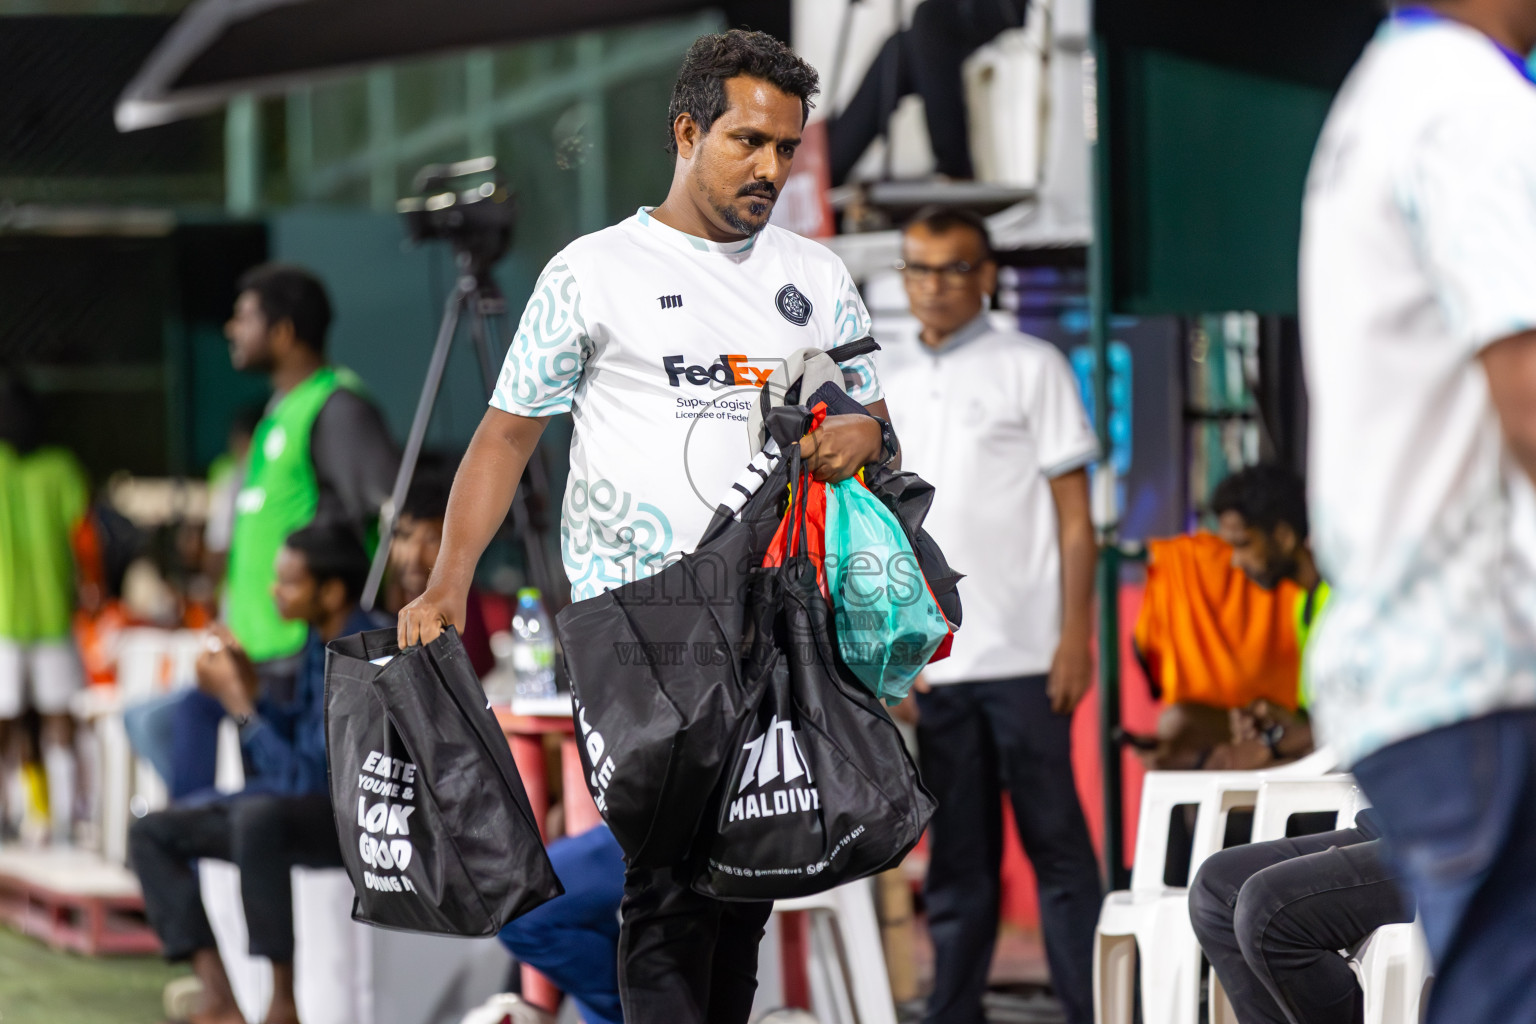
1272	737
889	446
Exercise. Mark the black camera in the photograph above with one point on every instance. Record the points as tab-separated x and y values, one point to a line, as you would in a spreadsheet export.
466	204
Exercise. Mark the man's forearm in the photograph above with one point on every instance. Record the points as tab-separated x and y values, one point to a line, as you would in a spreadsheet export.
1079	555
482	493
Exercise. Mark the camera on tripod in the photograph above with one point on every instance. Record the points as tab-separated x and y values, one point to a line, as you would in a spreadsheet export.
476	217
469	206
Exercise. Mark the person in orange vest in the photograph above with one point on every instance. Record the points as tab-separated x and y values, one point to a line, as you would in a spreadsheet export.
1262	514
1223	625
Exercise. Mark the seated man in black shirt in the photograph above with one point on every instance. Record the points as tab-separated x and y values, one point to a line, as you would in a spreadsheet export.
282	818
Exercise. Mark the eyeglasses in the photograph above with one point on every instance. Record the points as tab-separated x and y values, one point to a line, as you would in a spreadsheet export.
950	274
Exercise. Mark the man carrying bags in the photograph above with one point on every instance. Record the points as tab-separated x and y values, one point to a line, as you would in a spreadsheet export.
631	330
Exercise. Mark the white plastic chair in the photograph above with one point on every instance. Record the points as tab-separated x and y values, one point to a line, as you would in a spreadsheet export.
1282	798
140	665
1151	920
1006	84
1394	971
1282	794
1393	962
1149	923
848	978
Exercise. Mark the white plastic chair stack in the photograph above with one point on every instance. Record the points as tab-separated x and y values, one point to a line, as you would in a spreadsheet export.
1149	924
150	662
1282	794
848	979
1393	962
1006	91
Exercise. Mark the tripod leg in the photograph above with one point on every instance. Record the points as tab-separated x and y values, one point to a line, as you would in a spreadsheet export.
462	292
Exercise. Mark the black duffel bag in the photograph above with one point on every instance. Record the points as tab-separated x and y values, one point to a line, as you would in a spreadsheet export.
436	831
821	789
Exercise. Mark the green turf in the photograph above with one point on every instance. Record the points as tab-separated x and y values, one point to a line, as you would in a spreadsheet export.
39	986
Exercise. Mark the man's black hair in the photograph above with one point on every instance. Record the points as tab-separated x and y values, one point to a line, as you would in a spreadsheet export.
291	293
21	416
713	59
1265	496
333	552
937	220
430	487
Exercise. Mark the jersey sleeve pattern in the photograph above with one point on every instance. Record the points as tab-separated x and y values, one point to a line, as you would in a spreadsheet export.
1467	200
544	364
852	322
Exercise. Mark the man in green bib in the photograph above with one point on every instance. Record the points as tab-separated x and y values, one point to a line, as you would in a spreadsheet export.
321	454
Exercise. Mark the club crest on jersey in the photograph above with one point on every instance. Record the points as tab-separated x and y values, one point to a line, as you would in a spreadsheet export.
794	305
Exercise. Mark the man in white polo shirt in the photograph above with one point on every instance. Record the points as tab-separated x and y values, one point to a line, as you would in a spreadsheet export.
992	419
1418	277
656	335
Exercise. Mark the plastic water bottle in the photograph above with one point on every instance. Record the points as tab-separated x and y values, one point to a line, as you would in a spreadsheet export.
501	684
533	647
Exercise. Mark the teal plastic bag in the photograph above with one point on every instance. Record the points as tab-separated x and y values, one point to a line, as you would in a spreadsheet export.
887	622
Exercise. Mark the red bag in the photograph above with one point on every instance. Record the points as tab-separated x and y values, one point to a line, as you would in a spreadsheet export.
787	534
815	545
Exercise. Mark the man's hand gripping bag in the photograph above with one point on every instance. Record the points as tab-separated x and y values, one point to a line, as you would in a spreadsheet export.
435	827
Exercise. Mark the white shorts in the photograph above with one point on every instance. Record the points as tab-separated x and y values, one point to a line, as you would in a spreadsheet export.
50	671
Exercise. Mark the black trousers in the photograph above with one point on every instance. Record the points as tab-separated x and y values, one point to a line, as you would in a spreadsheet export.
686	958
974	740
264	836
925	59
1273	916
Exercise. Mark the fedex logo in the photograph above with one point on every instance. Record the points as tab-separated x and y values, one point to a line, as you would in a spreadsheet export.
726	371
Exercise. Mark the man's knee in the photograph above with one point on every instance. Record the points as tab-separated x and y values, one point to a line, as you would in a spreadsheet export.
146	837
1212	896
257	828
1253	916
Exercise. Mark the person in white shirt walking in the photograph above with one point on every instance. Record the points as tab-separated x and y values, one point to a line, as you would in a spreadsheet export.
1418	278
992	418
656	335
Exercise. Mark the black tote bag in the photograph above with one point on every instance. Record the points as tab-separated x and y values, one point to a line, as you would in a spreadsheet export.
436	831
658	688
820	790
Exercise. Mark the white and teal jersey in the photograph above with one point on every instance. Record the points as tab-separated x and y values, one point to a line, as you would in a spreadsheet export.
1419	252
657	343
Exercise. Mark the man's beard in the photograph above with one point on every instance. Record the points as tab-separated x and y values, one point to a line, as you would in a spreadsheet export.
258	362
1276	572
765	194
